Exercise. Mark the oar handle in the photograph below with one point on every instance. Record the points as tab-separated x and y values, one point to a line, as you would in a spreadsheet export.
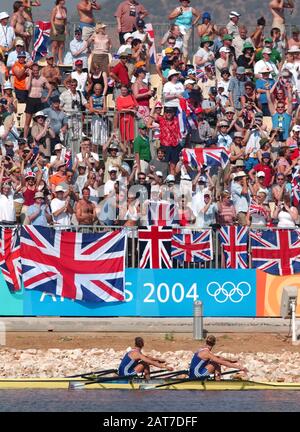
101	372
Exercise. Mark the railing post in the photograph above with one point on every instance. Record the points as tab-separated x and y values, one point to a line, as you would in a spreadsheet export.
198	320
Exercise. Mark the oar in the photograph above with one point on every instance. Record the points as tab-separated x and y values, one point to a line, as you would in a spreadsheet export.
99	373
184	380
78	385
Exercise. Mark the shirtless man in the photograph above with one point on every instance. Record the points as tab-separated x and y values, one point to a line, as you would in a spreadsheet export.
85	209
86	17
18	21
135	362
277	9
205	363
51	72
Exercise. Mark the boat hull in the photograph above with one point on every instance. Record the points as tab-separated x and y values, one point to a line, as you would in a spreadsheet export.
64	384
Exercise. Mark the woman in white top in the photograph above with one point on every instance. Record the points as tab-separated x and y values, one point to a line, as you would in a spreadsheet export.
172	90
204	53
286	214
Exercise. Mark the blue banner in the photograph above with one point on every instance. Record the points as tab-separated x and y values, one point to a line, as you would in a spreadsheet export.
157	293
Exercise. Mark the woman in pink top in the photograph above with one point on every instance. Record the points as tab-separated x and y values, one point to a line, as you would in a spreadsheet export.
101	47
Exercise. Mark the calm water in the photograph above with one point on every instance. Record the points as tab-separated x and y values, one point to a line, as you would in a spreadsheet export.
166	401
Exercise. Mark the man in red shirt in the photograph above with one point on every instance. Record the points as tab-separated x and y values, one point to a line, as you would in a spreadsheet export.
170	137
127	14
120	72
264	166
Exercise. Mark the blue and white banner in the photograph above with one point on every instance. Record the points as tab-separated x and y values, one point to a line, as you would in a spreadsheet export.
157	293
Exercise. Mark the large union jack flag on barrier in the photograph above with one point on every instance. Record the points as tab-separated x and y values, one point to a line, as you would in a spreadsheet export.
155	247
78	266
41	39
10	260
195	158
160	213
234	242
192	246
276	251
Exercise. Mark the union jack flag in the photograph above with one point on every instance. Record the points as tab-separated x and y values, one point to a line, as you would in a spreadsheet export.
155	247
10	261
276	251
41	39
255	208
234	241
160	213
152	50
192	246
87	267
195	158
296	188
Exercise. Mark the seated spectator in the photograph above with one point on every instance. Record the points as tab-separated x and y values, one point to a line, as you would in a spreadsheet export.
97	76
58	121
80	76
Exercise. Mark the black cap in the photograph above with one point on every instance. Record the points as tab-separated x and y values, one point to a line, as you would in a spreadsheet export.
78	30
140	22
55	99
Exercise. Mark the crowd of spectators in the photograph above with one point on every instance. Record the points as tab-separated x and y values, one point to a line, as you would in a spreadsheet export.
238	91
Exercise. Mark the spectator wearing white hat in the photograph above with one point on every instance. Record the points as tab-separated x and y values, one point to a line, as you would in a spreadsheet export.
13	55
109	185
128	38
60	208
240	196
39	213
42	133
225	61
266	63
206	215
12	102
172	90
232	26
7	33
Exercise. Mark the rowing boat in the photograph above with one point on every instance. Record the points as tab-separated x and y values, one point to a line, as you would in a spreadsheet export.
139	384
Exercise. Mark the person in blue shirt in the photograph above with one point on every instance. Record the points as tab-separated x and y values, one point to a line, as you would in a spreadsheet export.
281	115
37	213
262	85
204	362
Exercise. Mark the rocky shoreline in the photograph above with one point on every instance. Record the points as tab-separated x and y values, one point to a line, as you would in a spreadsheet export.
283	367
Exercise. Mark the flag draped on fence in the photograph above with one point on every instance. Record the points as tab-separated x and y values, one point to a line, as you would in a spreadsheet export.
276	251
160	213
41	39
155	247
192	246
10	262
78	266
195	158
234	242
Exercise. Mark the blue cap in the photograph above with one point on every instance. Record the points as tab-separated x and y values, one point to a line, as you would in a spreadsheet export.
206	15
22	54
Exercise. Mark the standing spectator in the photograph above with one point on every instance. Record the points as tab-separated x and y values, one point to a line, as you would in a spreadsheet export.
126	110
13	55
79	48
207	27
119	74
226	211
98	108
101	48
281	115
294	40
20	72
264	84
277	9
236	88
240	197
85	209
240	40
18	22
85	9
183	16
141	148
7	207
127	14
142	94
52	75
58	30
170	137
42	133
35	83
286	214
266	168
97	77
7	34
232	26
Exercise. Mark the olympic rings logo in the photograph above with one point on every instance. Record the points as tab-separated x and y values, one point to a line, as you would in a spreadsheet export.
228	291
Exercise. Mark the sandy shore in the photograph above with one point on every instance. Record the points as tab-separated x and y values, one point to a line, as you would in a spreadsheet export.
269	357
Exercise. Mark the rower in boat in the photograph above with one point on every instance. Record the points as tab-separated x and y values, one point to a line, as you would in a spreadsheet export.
135	362
204	362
